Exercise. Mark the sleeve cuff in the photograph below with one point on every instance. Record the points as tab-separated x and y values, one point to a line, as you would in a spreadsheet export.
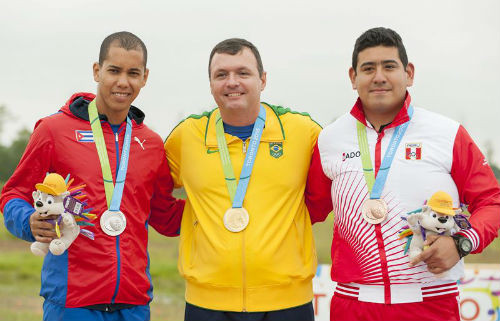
472	235
17	214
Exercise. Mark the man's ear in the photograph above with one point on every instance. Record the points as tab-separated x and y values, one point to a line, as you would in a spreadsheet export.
263	80
352	76
410	74
146	75
95	69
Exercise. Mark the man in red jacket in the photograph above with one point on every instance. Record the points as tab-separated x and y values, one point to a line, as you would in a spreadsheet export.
385	159
101	141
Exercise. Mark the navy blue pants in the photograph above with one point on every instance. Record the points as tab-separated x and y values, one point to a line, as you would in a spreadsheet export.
54	312
301	313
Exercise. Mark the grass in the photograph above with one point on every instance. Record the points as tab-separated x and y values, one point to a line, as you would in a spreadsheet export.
20	274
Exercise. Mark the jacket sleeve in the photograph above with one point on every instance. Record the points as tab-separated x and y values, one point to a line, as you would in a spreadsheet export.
478	188
318	190
16	198
166	211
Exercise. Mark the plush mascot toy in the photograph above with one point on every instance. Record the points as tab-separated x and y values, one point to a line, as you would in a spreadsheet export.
52	197
436	217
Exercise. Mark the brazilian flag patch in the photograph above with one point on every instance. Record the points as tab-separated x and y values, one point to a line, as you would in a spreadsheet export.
276	149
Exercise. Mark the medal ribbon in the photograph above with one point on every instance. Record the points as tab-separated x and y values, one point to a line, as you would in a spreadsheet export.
376	186
113	192
237	192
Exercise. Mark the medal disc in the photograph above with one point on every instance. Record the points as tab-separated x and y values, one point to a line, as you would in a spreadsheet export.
236	219
113	223
374	211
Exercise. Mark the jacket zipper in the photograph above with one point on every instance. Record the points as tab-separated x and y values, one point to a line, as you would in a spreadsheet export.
244	273
118	268
243	261
378	227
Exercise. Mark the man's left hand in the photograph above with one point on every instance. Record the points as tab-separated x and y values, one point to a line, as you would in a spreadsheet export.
441	255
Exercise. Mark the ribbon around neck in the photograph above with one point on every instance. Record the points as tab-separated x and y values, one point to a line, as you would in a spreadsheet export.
376	185
237	191
114	193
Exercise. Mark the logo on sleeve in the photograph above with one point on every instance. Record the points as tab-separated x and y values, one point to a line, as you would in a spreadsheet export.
413	151
84	136
350	155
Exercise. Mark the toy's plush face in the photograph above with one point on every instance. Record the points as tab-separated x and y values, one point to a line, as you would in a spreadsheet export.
436	222
47	204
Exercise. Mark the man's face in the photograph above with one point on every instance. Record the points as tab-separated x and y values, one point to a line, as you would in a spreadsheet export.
120	79
381	80
235	82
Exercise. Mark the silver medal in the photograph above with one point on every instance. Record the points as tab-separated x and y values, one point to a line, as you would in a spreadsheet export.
113	223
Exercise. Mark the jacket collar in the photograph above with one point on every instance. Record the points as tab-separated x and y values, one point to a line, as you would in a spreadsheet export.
273	129
401	118
77	105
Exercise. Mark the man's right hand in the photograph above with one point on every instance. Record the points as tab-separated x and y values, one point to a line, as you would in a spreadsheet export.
42	230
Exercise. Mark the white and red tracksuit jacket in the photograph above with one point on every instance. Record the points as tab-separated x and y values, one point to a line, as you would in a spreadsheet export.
436	153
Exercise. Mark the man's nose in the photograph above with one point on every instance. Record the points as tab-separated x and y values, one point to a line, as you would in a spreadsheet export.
122	80
379	75
232	80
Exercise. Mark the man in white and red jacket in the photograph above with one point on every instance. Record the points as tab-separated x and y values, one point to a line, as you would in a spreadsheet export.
106	278
409	153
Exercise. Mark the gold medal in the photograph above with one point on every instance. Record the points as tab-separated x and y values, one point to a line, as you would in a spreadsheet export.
374	211
113	223
236	219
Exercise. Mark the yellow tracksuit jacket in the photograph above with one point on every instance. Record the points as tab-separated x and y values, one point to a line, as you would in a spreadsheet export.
269	265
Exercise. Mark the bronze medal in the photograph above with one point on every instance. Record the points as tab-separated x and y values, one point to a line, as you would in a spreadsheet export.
374	211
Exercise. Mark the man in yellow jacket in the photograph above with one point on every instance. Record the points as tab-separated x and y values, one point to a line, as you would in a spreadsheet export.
246	247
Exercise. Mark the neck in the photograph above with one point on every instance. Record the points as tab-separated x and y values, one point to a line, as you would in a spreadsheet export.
239	117
114	117
380	119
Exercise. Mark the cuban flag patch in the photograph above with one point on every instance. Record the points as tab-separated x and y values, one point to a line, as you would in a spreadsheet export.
413	151
84	136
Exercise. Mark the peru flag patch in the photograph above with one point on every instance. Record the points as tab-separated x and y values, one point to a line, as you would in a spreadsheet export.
413	151
84	136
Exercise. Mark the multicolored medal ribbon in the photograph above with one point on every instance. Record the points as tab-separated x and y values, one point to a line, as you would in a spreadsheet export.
374	210
236	218
113	221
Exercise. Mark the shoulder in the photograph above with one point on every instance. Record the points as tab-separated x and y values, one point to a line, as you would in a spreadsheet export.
434	123
289	115
196	122
345	124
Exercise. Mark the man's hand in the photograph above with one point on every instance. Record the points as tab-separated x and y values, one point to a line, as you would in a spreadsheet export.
441	256
42	230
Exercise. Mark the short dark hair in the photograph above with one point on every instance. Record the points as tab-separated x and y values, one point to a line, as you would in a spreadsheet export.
379	37
125	40
233	46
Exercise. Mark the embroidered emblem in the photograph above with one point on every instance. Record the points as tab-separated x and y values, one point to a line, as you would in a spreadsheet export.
276	149
413	151
139	141
84	136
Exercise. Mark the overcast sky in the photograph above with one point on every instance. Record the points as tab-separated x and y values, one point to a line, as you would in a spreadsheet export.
48	47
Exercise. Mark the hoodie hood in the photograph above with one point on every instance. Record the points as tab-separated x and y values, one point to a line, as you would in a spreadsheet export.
77	105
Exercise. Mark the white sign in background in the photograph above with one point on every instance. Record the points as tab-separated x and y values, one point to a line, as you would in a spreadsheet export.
479	293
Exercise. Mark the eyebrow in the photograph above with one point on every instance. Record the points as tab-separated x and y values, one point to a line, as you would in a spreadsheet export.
371	63
131	69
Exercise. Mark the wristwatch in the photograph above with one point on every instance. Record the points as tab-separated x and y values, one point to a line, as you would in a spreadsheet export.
463	244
